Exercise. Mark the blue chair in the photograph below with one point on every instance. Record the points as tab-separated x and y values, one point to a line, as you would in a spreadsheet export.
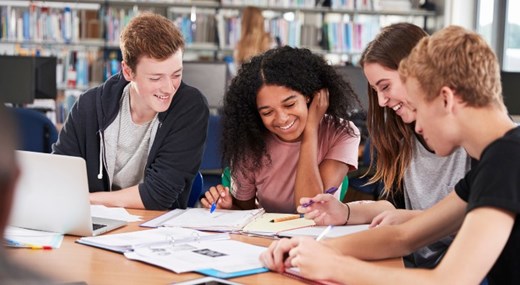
211	167
197	189
36	132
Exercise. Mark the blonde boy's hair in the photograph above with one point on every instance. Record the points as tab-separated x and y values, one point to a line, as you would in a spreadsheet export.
151	35
459	59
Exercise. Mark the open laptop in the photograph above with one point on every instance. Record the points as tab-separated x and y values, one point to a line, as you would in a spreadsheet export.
52	195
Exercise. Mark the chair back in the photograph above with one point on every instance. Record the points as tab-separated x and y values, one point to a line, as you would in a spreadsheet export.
36	132
211	167
197	189
212	159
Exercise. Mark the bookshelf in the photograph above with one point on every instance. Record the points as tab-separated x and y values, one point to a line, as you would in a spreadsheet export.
211	27
343	28
83	34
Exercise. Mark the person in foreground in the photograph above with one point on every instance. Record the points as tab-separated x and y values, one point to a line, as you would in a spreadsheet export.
143	131
453	84
286	133
414	178
10	272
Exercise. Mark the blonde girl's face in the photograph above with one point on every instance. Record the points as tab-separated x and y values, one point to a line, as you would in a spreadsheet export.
283	111
391	92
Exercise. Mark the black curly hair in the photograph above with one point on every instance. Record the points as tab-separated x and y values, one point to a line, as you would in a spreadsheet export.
243	137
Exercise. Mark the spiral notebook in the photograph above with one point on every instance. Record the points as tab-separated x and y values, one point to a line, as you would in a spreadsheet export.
125	242
202	219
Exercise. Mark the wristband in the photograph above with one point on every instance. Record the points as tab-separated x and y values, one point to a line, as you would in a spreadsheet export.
348	214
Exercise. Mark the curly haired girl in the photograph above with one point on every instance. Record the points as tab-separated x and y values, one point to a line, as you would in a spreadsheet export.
286	133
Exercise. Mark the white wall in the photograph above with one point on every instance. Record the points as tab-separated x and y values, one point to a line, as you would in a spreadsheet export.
458	12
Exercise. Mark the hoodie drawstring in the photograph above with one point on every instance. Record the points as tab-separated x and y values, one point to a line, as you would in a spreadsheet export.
101	150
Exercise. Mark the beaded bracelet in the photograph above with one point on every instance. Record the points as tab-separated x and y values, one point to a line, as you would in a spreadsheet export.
348	214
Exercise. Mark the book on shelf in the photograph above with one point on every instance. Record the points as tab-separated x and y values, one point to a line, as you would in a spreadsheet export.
40	23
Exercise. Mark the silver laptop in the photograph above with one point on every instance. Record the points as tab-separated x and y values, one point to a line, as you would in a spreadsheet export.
52	195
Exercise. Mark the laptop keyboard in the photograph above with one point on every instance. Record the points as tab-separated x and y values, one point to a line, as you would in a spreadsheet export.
98	226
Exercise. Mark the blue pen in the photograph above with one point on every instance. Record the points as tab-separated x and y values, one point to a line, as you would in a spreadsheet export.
214	205
331	191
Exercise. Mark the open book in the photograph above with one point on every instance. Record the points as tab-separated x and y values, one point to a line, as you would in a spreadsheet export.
125	242
182	250
245	221
226	257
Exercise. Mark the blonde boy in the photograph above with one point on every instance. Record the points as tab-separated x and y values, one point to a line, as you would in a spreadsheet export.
453	83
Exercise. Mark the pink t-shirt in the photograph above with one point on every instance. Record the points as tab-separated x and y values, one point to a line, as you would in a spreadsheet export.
273	184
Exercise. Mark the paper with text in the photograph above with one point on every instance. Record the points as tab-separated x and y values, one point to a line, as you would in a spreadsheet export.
222	255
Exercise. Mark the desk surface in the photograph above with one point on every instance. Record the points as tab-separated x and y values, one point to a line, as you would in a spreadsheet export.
74	262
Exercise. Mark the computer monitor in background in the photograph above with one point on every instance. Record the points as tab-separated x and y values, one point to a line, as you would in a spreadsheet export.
209	77
17	79
45	74
358	81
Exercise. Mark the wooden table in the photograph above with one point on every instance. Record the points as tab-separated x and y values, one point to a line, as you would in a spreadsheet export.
74	262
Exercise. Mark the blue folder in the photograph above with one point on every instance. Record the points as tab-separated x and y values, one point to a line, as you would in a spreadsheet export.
225	275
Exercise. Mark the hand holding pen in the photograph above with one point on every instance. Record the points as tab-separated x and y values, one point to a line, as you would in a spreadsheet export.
324	210
214	205
331	191
217	197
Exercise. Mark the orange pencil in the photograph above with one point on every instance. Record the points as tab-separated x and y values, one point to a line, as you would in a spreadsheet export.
288	218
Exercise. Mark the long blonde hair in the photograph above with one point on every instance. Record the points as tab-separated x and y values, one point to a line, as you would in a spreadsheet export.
253	38
392	140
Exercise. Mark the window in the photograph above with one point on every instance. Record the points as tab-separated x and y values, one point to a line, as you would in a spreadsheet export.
511	61
497	23
485	19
